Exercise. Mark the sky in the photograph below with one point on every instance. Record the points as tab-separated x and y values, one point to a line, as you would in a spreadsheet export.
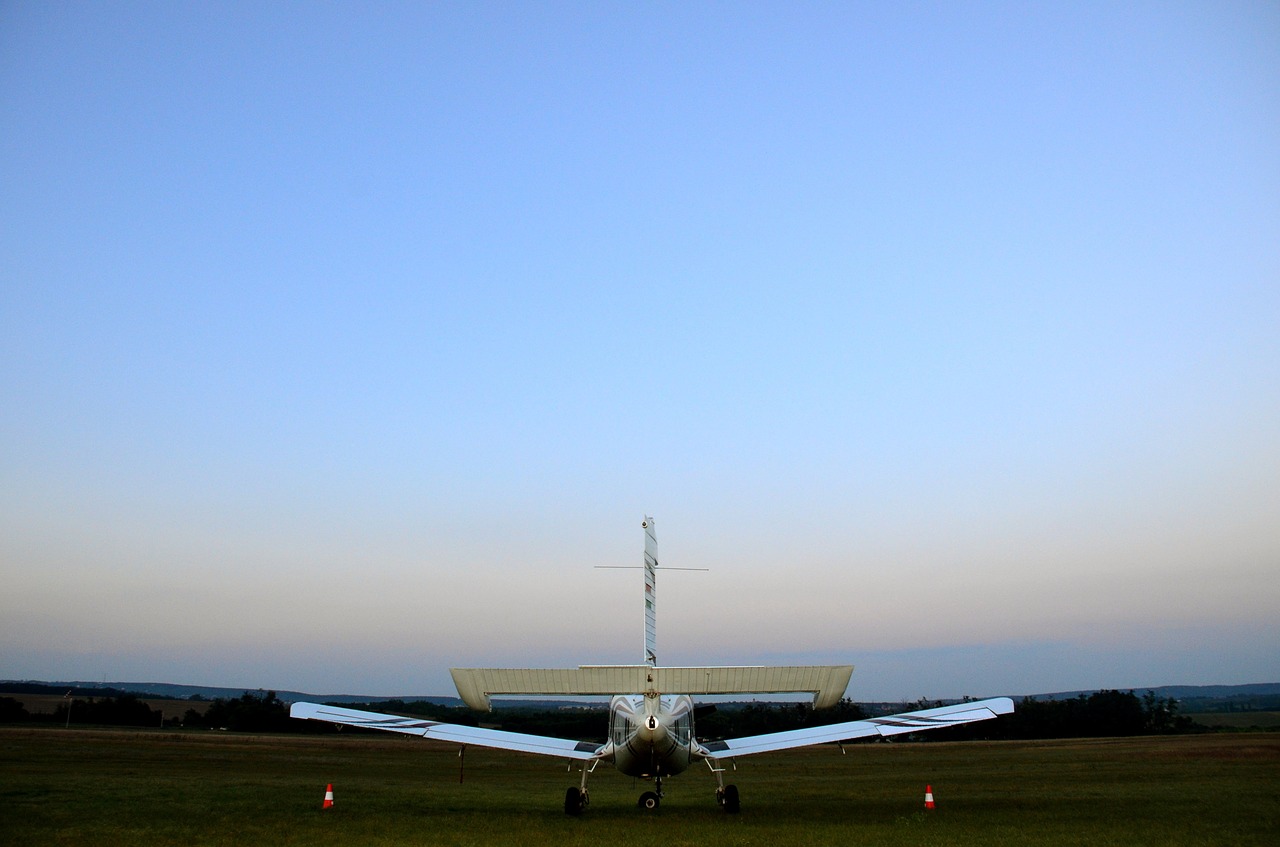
341	343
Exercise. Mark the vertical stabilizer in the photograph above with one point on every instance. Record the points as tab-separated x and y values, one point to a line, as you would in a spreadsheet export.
650	593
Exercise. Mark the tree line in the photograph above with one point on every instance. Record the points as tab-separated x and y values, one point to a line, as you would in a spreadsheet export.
250	712
1101	714
116	710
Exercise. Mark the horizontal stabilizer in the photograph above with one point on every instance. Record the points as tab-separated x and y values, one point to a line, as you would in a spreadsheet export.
827	683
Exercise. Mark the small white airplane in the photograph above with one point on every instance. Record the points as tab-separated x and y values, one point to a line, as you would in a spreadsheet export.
651	733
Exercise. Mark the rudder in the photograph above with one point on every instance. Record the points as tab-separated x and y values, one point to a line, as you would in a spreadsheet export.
650	593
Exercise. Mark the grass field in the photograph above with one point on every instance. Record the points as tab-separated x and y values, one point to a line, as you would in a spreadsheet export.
1238	720
90	787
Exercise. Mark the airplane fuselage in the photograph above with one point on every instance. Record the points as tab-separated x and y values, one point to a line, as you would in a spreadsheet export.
651	735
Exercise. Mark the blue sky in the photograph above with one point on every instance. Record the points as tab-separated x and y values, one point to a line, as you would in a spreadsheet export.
340	342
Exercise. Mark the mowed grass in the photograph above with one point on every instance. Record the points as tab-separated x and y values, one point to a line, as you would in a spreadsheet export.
91	787
1238	720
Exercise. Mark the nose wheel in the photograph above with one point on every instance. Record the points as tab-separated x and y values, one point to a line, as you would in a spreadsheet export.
650	800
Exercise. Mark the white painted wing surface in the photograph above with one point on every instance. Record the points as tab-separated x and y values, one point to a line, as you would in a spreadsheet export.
925	719
453	733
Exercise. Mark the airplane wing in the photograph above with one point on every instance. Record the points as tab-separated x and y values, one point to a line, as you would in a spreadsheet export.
959	713
453	733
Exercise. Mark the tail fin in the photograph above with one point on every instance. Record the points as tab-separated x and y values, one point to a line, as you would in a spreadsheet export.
650	593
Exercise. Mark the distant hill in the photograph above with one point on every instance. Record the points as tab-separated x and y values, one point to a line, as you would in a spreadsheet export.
1185	692
1192	698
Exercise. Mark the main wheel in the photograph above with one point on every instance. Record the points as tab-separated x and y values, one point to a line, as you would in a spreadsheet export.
573	801
730	799
648	800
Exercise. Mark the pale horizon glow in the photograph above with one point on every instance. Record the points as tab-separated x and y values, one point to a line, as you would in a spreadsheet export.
339	345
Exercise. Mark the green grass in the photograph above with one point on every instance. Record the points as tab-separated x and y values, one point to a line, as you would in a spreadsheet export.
89	787
1238	720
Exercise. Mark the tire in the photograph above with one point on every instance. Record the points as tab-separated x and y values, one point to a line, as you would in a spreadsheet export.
730	799
648	801
572	802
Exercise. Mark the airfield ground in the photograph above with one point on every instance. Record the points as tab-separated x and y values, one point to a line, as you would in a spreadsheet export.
129	787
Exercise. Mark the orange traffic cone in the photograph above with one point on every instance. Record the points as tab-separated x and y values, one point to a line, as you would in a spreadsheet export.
328	797
928	796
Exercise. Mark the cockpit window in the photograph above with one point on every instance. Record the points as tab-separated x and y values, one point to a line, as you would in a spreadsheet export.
618	732
683	728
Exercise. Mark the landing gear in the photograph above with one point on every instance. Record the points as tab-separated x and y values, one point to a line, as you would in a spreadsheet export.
575	800
727	797
650	799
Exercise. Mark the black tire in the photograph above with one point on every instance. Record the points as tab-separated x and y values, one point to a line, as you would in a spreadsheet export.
572	801
648	801
730	799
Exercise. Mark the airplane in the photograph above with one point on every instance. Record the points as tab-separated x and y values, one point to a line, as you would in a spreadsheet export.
651	712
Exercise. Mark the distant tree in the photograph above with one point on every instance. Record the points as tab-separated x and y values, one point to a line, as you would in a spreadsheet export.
435	711
736	720
842	712
123	710
261	712
12	711
1162	715
1101	714
580	724
1112	714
